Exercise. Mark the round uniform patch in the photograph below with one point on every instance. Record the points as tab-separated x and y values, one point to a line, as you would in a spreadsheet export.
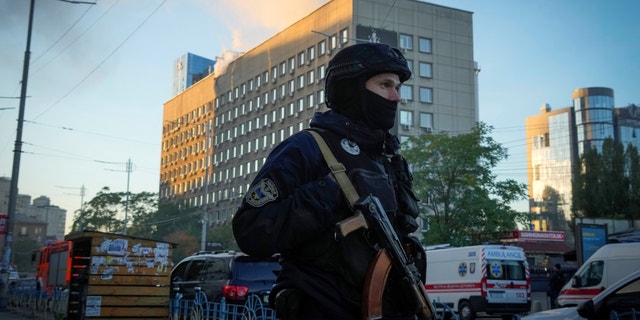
350	147
262	192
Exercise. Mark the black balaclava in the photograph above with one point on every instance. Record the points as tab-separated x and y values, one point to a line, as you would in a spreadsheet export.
377	112
345	87
363	106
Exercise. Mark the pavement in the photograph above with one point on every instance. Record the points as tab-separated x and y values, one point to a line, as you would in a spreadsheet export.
539	303
24	315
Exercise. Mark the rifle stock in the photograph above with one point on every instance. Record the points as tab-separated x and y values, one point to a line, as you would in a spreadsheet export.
392	254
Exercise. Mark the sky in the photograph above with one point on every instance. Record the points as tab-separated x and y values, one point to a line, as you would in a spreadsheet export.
100	74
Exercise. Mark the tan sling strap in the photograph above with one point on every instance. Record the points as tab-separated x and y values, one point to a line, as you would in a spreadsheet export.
337	169
380	267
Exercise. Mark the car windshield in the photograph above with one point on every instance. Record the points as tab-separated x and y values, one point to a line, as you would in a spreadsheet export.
256	270
591	275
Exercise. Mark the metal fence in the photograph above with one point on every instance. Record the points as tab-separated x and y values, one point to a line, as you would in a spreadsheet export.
201	309
33	302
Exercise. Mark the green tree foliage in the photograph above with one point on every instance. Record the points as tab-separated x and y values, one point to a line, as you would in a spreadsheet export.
147	218
223	233
551	201
464	202
606	184
22	250
101	213
633	163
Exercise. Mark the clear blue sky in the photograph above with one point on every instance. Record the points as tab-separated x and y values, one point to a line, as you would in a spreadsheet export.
100	74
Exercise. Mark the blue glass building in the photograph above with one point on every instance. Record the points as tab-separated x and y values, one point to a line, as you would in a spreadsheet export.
557	138
189	69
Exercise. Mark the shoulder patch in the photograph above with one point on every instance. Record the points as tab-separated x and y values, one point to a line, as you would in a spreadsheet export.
261	193
350	147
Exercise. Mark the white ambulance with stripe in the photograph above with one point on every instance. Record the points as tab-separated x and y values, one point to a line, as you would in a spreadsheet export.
607	265
482	279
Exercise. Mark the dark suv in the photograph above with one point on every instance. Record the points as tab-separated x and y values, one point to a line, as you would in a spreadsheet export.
232	275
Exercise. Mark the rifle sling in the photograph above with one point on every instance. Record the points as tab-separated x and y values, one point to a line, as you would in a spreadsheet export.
337	169
380	266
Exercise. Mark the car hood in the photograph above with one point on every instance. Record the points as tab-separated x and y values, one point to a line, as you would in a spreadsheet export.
570	313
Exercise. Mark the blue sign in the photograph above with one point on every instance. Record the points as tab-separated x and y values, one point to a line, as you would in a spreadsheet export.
592	237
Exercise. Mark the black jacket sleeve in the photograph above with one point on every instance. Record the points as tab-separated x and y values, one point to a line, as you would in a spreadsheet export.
290	202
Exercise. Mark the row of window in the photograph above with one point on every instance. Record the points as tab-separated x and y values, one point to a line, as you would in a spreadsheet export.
228	174
424	44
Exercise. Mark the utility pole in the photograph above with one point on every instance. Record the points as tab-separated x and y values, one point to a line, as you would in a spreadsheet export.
129	168
13	188
82	193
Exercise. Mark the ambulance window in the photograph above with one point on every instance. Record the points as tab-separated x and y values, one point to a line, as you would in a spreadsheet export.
591	275
505	270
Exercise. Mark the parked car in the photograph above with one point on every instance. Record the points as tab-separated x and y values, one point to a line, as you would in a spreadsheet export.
232	275
620	301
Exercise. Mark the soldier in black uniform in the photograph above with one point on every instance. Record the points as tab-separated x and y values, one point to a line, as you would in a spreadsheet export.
294	202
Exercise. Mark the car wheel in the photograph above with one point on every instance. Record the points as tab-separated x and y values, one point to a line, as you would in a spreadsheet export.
466	312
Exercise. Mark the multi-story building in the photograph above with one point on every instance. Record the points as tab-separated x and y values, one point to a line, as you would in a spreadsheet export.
189	69
54	217
557	138
218	132
628	125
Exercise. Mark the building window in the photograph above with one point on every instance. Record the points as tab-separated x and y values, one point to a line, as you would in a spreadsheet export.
292	86
292	64
301	58
406	92
300	81
410	64
322	47
344	36
311	53
283	68
406	118
333	42
406	42
310	101
321	72
425	45
426	95
426	70
426	120
311	77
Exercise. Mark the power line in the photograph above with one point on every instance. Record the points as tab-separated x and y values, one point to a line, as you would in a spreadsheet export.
103	61
74	40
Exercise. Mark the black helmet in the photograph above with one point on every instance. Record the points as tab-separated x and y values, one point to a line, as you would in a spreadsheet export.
361	62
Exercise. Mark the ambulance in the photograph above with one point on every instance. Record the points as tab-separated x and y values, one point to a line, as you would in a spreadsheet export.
605	266
482	279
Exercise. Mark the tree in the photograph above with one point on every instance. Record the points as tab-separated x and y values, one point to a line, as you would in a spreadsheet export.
605	183
23	249
633	164
100	214
466	203
150	219
551	201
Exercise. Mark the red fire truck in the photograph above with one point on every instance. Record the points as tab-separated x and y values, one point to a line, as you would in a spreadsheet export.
54	265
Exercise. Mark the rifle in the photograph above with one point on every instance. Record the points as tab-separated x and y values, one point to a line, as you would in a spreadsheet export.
370	213
392	253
